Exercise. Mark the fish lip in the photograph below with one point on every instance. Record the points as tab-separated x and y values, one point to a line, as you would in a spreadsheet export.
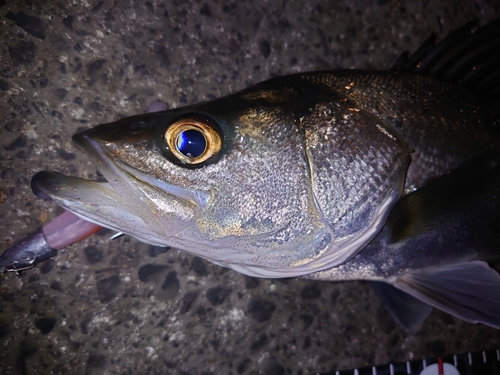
101	202
91	148
122	200
200	198
66	191
97	154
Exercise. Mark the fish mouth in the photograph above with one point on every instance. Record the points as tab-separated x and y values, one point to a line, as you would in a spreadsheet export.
121	202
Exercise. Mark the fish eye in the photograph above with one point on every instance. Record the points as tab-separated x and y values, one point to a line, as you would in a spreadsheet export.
193	141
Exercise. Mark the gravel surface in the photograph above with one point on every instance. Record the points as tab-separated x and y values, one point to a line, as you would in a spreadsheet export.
122	307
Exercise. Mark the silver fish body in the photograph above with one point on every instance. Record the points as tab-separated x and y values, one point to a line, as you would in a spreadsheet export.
264	206
305	172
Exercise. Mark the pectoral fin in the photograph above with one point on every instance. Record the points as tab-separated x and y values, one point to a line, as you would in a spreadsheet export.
469	290
408	311
470	189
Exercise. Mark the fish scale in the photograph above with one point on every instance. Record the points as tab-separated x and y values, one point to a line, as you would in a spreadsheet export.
423	112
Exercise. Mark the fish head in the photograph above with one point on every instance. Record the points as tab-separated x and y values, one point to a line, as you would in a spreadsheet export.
241	181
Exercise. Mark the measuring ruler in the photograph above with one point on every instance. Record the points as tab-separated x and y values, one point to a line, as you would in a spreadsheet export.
486	362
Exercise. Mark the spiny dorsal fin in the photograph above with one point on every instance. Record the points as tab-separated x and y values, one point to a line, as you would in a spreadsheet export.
466	57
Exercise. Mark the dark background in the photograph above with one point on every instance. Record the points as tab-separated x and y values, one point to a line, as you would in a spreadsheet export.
122	307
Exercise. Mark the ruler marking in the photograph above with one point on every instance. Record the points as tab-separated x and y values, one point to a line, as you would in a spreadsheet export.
440	366
484	356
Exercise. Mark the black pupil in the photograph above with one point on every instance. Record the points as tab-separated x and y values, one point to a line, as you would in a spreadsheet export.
191	143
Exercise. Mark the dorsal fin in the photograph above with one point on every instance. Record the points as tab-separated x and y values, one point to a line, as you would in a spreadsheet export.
466	57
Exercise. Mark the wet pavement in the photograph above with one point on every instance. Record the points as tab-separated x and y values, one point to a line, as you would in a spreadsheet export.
122	307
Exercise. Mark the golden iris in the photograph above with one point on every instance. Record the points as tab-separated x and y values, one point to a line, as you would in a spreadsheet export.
193	141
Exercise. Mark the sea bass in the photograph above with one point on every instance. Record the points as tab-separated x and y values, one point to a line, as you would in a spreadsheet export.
391	176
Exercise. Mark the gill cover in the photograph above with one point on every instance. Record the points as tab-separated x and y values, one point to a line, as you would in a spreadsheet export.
279	180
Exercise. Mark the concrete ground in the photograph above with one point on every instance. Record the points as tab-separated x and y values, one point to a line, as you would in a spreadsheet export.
122	307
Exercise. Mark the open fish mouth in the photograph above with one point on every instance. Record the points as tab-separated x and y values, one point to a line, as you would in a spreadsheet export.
120	203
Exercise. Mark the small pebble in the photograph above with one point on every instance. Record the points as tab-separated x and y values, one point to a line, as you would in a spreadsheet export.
3	195
43	217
